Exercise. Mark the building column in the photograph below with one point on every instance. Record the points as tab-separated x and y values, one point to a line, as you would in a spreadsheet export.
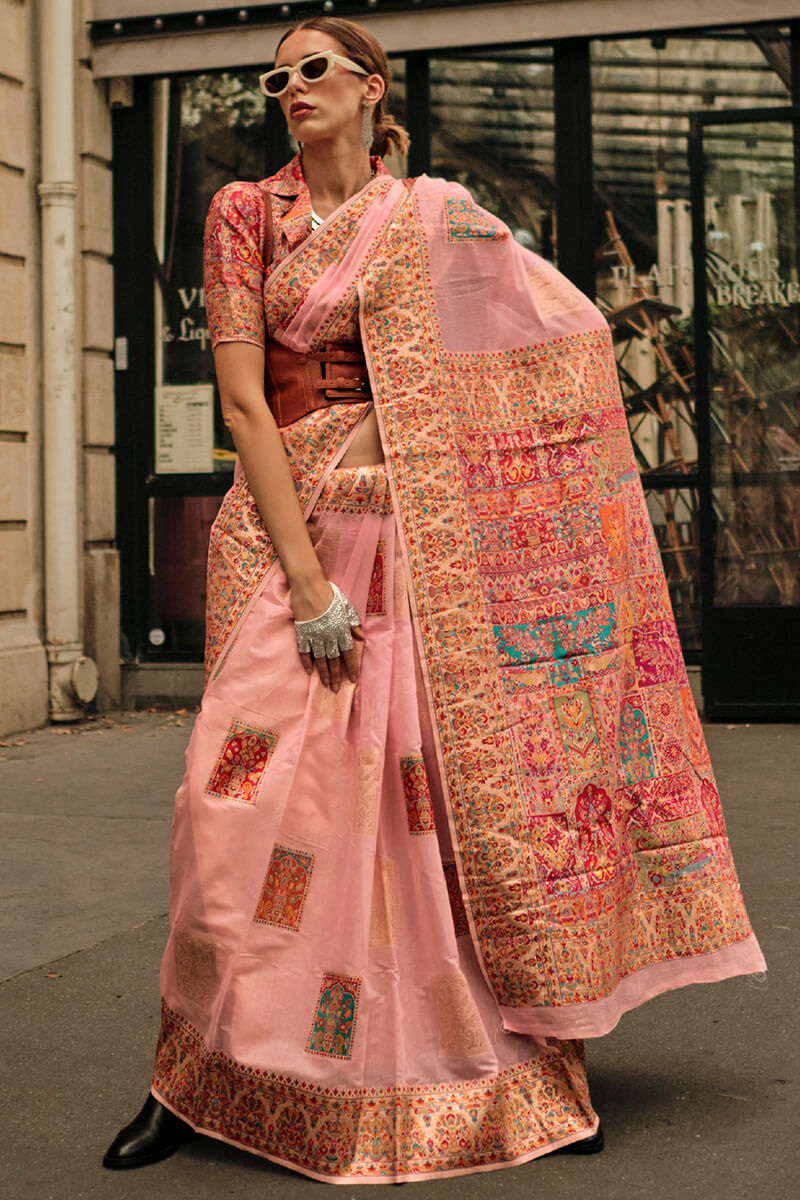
72	676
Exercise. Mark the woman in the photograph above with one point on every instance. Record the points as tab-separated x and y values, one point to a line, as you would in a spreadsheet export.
482	824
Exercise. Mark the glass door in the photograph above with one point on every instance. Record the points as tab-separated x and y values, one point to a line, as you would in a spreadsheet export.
746	217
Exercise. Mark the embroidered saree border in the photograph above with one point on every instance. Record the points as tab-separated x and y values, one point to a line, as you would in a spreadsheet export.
374	1134
599	1017
539	651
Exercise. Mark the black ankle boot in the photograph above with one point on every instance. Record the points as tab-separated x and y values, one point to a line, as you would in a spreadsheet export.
590	1145
153	1134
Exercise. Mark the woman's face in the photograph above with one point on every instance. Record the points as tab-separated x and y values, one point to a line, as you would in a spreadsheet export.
317	111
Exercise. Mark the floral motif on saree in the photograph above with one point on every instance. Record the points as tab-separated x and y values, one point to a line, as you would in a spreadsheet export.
376	598
464	220
242	762
581	745
419	809
461	1034
368	789
384	903
195	965
335	1019
286	884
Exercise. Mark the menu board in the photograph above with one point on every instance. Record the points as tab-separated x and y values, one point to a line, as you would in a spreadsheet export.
184	429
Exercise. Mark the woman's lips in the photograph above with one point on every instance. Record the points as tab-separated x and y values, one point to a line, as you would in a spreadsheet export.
299	110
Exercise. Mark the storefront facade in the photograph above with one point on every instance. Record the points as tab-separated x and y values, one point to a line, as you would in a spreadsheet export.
654	158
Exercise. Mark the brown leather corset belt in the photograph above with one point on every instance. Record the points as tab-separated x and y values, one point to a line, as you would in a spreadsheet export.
297	384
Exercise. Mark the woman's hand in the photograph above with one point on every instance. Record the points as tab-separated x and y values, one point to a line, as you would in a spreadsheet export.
309	600
240	375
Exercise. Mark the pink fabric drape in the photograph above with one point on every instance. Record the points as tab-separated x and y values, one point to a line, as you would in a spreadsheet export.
329	288
323	1005
590	841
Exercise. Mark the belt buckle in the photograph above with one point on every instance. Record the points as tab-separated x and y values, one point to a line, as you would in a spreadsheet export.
346	386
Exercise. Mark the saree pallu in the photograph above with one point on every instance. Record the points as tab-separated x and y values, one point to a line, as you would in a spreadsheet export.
323	1005
587	831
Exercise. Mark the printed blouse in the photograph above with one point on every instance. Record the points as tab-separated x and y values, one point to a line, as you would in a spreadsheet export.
237	305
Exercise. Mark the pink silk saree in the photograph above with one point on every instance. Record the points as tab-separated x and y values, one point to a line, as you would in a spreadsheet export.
560	855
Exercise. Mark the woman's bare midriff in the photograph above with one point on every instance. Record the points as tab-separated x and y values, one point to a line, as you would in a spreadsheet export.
365	447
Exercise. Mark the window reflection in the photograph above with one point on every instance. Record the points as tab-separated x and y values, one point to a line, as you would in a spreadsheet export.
493	132
643	91
208	130
754	319
180	529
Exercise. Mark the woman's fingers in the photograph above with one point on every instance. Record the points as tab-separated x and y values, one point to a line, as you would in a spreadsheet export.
352	658
322	670
323	667
338	625
334	671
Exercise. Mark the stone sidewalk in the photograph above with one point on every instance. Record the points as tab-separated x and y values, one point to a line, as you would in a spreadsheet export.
697	1090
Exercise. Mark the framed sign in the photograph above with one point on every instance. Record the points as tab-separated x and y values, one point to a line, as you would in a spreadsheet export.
184	441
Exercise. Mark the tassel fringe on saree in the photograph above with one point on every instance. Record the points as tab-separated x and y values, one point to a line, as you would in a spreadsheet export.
388	904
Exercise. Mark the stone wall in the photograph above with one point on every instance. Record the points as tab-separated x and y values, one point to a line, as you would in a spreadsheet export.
23	667
101	558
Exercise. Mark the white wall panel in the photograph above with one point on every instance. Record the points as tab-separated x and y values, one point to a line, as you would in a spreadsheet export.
417	29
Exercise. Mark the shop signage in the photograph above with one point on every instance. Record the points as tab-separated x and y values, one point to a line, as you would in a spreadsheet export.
184	429
738	283
751	282
188	328
657	277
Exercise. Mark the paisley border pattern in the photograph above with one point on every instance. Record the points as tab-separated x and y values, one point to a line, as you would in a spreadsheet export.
375	1134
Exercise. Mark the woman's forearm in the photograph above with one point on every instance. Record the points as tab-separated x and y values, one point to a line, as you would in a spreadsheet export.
240	375
269	476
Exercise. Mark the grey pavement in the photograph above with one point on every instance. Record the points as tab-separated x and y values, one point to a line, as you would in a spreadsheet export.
697	1090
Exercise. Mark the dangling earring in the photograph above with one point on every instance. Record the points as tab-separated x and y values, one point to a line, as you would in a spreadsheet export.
367	130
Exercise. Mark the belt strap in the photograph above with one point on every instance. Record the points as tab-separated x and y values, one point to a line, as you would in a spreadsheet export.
298	384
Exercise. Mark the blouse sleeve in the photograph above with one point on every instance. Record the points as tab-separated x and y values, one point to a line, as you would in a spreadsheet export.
233	269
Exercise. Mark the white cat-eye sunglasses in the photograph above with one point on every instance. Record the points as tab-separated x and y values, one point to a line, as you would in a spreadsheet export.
312	69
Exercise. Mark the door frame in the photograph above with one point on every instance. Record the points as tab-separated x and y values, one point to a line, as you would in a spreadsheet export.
783	622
